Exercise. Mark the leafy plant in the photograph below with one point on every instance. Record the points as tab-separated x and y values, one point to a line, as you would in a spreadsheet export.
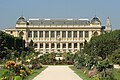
17	78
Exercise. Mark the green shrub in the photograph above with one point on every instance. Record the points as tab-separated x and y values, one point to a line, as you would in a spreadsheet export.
96	78
4	74
107	75
17	78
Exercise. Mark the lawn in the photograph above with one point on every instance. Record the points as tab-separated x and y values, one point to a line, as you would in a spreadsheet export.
85	77
35	73
80	73
116	74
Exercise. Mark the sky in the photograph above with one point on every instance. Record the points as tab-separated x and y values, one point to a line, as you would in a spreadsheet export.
11	10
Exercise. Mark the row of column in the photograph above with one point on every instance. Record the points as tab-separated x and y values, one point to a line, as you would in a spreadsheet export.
60	36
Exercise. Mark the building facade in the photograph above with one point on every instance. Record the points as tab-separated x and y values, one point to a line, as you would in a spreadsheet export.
56	35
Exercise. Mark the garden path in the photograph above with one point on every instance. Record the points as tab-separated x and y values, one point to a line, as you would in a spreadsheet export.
57	73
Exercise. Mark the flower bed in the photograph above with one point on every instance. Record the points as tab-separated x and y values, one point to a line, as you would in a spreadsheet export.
13	71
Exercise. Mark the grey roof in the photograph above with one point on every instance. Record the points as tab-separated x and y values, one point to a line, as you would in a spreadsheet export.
59	22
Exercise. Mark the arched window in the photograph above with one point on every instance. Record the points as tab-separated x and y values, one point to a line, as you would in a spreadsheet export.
21	34
41	45
95	33
35	45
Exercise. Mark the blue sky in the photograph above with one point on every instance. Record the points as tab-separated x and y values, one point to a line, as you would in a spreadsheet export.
11	10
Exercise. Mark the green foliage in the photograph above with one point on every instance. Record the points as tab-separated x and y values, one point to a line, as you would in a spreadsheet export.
31	43
17	78
79	61
100	53
115	57
50	58
105	70
35	73
116	73
6	74
96	78
8	44
80	73
104	44
68	56
106	75
104	64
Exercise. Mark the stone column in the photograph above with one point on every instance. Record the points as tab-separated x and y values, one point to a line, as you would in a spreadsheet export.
49	35
55	47
44	47
38	46
77	35
50	47
66	35
83	36
16	34
38	35
90	34
67	47
78	46
61	34
43	35
55	38
61	47
72	35
32	35
72	46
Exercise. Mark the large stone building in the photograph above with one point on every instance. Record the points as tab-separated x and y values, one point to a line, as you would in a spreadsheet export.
57	35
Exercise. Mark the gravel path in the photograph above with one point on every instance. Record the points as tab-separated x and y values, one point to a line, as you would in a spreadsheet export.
57	73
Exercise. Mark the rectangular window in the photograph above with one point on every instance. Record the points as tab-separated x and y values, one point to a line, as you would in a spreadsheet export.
81	45
52	34
75	45
86	34
41	34
58	45
64	45
63	34
35	34
30	34
46	34
52	45
57	33
75	34
81	34
69	45
69	34
47	45
41	45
